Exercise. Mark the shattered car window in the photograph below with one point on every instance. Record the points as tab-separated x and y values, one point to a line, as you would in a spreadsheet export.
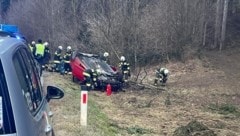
95	63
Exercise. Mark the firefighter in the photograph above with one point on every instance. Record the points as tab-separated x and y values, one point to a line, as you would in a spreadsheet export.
57	59
47	54
105	57
125	68
88	74
32	47
91	78
66	59
39	53
161	76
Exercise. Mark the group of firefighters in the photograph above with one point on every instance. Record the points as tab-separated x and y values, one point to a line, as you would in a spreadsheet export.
41	53
61	63
161	74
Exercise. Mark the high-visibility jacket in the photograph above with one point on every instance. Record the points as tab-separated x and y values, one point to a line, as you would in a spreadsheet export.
40	49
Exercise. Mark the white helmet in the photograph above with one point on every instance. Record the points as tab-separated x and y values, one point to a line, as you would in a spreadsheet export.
105	54
166	71
122	58
33	43
60	47
69	48
46	44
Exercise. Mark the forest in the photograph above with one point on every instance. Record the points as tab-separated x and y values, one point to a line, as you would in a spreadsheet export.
145	31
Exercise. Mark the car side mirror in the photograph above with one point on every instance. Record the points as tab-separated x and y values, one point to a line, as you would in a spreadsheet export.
54	93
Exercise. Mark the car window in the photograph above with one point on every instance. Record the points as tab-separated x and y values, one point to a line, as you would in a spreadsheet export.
95	63
105	66
32	70
7	125
29	79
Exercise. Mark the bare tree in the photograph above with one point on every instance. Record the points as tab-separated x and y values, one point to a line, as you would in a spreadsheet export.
224	22
144	31
217	23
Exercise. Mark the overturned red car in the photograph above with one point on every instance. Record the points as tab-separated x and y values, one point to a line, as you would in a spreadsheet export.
106	74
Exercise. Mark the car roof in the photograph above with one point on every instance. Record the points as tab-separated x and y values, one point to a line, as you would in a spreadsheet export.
6	34
19	36
7	42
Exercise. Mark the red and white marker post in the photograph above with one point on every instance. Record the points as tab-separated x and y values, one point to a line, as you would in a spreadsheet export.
84	100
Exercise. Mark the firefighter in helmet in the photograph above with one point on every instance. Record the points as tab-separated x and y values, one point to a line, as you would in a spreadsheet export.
89	75
161	76
47	54
39	53
105	57
125	68
66	59
57	58
32	47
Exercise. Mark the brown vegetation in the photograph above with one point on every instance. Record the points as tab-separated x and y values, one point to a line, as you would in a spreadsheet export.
204	90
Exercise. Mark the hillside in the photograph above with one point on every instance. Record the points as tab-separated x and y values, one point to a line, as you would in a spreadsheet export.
204	89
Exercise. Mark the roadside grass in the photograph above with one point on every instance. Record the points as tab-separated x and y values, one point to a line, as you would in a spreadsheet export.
225	109
136	130
106	127
68	117
68	108
99	120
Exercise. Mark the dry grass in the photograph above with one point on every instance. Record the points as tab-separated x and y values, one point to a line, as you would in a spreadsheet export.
197	90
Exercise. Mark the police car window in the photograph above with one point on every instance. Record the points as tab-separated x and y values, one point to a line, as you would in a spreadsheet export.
23	80
28	80
34	78
7	125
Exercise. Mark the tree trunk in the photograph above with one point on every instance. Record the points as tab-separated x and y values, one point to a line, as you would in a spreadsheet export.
224	22
217	24
204	34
